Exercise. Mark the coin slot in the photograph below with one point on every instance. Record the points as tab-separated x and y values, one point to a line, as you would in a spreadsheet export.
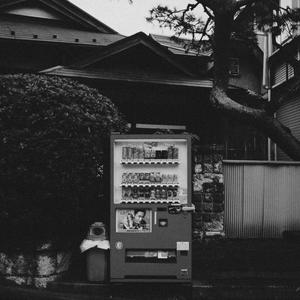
163	222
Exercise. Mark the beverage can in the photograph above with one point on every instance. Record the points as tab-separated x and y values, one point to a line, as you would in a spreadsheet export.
157	177
141	192
175	153
135	194
129	178
164	154
135	153
147	192
124	193
175	179
124	153
152	193
147	177
124	178
152	177
175	193
129	153
142	153
163	193
141	177
147	153
170	152
157	193
170	193
153	154
135	178
158	154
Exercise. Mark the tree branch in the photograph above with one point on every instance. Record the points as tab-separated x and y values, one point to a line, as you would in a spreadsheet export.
259	119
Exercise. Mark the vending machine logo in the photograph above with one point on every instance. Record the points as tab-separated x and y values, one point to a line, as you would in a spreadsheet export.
119	245
136	220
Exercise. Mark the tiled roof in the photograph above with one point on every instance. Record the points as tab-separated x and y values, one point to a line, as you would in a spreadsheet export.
54	32
133	41
175	47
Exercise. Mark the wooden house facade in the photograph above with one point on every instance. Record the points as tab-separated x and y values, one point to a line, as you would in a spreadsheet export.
154	82
282	79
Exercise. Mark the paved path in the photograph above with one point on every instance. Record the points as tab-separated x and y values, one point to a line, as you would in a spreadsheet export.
200	290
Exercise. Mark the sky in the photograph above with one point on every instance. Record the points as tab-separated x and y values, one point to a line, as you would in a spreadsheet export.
127	18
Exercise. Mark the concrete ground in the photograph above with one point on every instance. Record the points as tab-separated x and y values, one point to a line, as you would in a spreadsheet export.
218	289
222	269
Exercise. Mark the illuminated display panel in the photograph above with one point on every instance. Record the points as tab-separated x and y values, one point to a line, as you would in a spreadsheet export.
150	171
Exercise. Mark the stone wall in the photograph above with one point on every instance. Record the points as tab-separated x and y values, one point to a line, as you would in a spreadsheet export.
208	195
35	268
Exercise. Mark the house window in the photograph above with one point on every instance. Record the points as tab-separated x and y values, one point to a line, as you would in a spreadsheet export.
234	67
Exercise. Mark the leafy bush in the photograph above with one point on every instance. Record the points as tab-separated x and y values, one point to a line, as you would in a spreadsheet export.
52	134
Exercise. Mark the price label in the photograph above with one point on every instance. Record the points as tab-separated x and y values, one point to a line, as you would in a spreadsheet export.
182	246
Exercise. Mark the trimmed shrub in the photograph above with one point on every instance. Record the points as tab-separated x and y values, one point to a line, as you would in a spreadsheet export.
52	134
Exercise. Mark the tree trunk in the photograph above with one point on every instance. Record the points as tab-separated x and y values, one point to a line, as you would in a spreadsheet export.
258	118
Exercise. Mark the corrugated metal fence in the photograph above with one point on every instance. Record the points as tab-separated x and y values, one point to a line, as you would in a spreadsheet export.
262	199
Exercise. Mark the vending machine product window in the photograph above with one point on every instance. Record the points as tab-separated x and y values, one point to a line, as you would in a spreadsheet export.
150	171
150	193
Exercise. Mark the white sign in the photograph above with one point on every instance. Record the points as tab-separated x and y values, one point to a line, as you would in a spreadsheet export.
182	246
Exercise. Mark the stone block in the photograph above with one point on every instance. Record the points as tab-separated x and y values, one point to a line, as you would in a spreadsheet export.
217	167
216	157
197	225
22	264
207	207
20	280
198	180
208	187
206	218
208	197
208	158
197	197
6	264
208	168
218	198
218	207
42	282
197	217
45	264
198	207
219	187
198	168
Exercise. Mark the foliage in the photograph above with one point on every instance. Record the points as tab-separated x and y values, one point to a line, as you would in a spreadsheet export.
52	134
227	21
199	27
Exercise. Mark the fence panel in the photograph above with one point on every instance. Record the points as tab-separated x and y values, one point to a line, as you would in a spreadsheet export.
262	199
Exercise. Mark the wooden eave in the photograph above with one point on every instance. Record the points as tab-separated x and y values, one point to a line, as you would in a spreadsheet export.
175	80
35	31
67	9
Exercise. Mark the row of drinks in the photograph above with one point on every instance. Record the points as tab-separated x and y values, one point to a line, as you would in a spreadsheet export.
149	178
150	193
144	152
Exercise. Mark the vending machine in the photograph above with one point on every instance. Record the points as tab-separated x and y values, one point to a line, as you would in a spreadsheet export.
150	225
